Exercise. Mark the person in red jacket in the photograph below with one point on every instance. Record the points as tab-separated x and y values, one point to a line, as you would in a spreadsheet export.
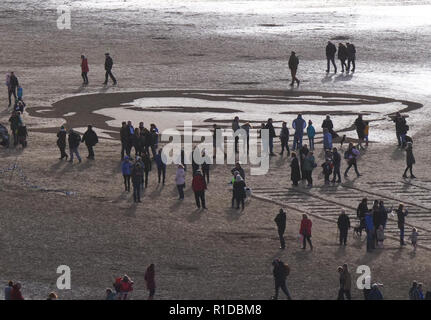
84	69
305	231
126	287
151	282
199	185
16	292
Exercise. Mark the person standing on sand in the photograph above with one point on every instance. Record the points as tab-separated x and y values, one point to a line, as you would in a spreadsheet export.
345	283
343	224
309	165
16	292
280	221
293	66
336	160
298	125
137	176
84	69
311	132
12	83
342	56
161	165
305	231
149	277
284	138
271	136
124	137
147	167
90	138
126	169
414	292
302	154
414	238
235	127
280	272
410	159
295	172
246	126
180	180
360	129
74	139
8	290
199	186
351	56
370	229
61	142
108	68
401	216
400	125
239	191
331	49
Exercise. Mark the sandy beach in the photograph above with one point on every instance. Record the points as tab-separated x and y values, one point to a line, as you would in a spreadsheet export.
207	62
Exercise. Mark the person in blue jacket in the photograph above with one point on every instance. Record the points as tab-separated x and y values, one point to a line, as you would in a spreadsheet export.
161	165
369	225
311	132
298	125
327	139
126	168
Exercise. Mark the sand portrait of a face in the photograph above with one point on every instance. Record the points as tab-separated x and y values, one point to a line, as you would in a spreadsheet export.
92	210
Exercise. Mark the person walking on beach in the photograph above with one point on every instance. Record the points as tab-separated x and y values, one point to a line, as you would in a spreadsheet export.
161	165
280	272
351	56
205	166
147	167
90	138
351	156
305	231
280	221
360	129
74	139
84	69
343	224
302	154
336	160
284	138
272	135
298	125
295	172
12	84
345	283
293	66
311	132
108	68
410	159
126	169
125	140
150	279
331	49
401	217
199	186
342	56
180	181
309	165
61	142
14	124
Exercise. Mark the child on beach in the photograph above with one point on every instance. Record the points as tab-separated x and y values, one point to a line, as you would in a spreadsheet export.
311	132
380	233
366	130
414	238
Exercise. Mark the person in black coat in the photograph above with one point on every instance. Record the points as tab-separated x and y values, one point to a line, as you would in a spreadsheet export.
12	85
361	211
205	166
343	224
90	138
280	220
302	154
239	169
147	167
74	139
401	215
410	160
400	128
295	172
336	160
271	135
351	56
61	143
342	56
108	68
280	273
22	135
239	191
331	49
293	66
360	127
284	138
125	138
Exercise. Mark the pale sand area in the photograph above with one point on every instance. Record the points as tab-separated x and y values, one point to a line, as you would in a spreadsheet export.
221	253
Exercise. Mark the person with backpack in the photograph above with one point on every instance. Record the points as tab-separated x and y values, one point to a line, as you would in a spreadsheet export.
137	176
199	186
410	160
342	56
280	272
343	224
280	221
293	66
108	68
309	165
298	125
90	138
331	49
126	169
351	156
161	165
149	277
351	56
84	69
311	132
74	139
401	218
295	171
305	231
